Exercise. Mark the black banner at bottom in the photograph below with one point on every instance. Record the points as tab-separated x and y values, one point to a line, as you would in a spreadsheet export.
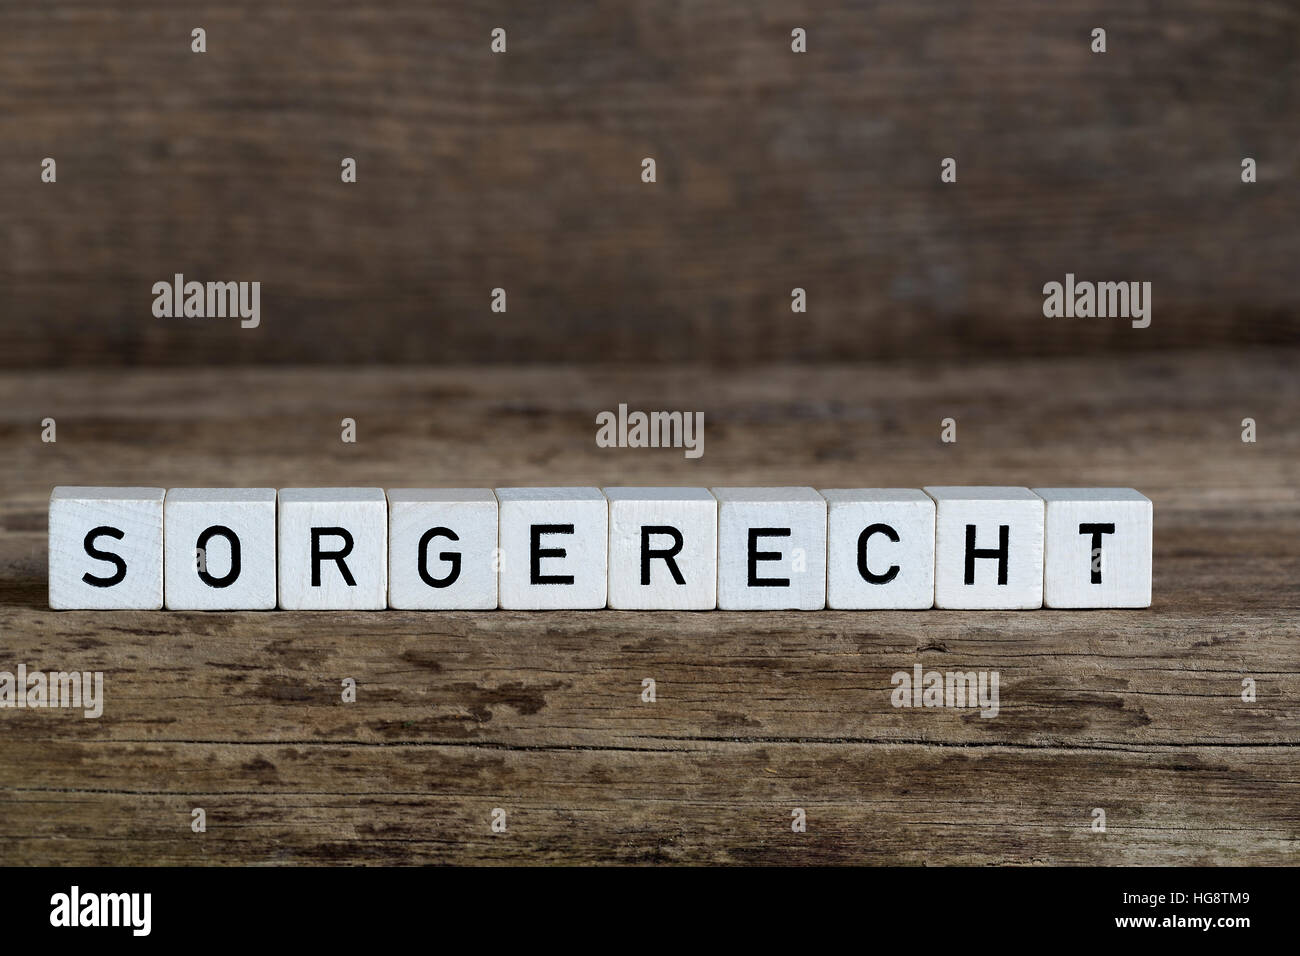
651	907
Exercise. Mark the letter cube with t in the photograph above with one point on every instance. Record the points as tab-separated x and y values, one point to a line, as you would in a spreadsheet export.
1098	547
442	545
219	551
333	547
988	548
771	549
106	548
663	549
880	548
554	548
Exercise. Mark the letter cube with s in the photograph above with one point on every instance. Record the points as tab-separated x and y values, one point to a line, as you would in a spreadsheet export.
106	548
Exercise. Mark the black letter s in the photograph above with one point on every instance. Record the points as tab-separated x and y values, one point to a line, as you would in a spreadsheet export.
89	543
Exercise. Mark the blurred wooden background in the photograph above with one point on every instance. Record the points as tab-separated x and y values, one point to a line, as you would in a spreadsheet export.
522	171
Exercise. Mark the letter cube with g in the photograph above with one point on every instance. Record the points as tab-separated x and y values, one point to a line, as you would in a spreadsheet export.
442	546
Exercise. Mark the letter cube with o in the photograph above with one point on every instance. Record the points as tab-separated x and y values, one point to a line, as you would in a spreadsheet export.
771	549
988	547
333	546
219	551
106	548
663	549
880	548
1098	544
554	548
442	545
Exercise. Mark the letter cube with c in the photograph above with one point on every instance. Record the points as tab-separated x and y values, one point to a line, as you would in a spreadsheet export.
880	548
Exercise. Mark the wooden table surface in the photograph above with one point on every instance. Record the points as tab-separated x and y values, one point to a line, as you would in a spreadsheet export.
1136	712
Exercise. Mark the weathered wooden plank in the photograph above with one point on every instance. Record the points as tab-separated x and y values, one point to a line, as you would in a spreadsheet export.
1138	712
312	803
1105	679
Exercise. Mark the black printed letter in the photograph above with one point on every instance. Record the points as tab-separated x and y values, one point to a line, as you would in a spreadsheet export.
867	576
202	545
1000	552
537	552
755	556
336	556
120	574
667	553
451	557
1094	553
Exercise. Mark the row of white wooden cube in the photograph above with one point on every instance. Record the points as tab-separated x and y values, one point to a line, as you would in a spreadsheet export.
735	548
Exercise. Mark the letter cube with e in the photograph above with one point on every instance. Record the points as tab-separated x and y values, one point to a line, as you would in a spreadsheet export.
988	547
106	548
219	550
880	548
771	549
663	549
1098	544
333	546
554	548
442	545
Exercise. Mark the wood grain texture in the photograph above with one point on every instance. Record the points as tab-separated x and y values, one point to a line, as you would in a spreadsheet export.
1137	712
521	171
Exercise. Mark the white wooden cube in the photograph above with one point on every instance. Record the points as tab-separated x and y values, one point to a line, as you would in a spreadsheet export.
554	548
333	547
219	549
988	548
442	548
663	549
771	549
106	548
880	548
1098	544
